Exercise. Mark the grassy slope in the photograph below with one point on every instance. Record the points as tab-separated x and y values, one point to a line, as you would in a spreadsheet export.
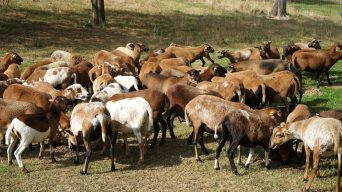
35	29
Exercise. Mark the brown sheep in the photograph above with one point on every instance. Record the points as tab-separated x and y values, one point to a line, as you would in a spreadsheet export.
3	77
157	101
192	53
106	56
318	61
12	71
102	81
162	83
104	68
261	67
161	56
293	47
148	67
6	83
30	69
272	52
242	55
180	95
8	59
172	73
82	69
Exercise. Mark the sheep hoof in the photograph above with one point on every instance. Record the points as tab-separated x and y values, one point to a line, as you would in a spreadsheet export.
236	173
140	162
24	170
82	172
199	160
112	168
241	164
53	160
217	168
40	157
247	167
305	179
268	167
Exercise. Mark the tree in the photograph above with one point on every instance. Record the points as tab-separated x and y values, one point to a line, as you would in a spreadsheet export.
279	8
98	12
341	8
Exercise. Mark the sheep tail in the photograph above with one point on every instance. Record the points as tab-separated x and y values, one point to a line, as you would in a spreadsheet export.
186	117
102	120
8	133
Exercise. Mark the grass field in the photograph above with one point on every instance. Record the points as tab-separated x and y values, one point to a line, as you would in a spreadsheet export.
36	29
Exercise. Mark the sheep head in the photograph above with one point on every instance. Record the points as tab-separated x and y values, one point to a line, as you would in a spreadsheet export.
315	44
14	58
208	48
222	53
280	135
194	76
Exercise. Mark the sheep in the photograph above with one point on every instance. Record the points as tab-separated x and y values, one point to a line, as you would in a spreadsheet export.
301	112
319	135
254	86
173	63
5	84
81	70
128	82
8	59
272	52
127	49
30	69
106	56
69	58
71	93
54	65
60	77
162	83
293	47
160	56
232	90
178	96
34	128
104	68
3	77
337	114
140	123
318	61
135	50
148	67
235	56
192	53
234	120
12	71
102	81
172	73
157	101
10	109
261	67
282	85
105	94
18	92
90	119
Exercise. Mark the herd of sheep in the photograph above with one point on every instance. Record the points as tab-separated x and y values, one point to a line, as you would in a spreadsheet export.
121	93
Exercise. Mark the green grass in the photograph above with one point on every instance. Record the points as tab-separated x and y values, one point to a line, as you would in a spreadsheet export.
36	29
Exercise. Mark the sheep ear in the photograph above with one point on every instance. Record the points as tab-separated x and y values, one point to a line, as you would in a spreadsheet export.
7	53
282	124
269	42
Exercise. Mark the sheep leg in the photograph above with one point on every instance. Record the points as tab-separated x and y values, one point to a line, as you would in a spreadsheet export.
307	162
210	59
164	125
41	150
111	152
219	149
196	129
115	137
156	132
203	62
314	169
251	152
238	151
230	154
267	157
339	162
169	120
124	135
200	140
87	157
190	140
14	141
22	146
327	74
77	158
52	153
318	79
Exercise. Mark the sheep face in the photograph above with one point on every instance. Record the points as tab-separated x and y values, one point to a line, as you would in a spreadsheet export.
231	69
315	44
280	136
267	45
142	47
76	91
194	76
339	47
208	48
15	58
218	70
220	54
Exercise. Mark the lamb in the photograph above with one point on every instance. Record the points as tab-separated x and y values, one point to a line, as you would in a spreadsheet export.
140	124
102	81
319	135
318	61
261	67
157	101
162	83
90	119
8	59
12	71
192	53
234	120
34	128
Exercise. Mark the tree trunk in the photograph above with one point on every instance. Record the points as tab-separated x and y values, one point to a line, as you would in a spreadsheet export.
341	8
282	8
279	8
98	12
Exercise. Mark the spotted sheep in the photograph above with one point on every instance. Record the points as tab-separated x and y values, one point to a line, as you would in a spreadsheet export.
105	94
91	121
319	135
36	127
132	115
